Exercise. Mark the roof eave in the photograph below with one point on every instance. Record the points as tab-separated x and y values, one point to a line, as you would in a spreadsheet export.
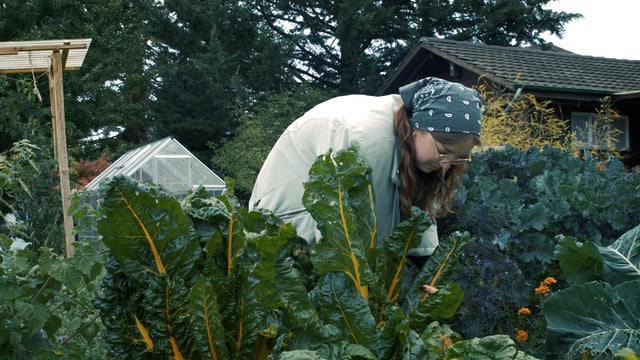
468	66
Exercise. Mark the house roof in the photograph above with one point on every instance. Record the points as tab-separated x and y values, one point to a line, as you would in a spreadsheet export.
535	69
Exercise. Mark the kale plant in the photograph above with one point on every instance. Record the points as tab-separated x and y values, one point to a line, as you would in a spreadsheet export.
515	203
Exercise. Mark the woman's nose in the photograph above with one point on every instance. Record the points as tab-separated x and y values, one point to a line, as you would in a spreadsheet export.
445	165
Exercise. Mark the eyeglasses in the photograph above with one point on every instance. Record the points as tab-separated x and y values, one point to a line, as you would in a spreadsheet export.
442	158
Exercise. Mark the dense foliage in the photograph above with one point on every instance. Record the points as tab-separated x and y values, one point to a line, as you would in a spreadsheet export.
45	299
30	193
187	69
531	295
209	278
599	314
515	203
353	45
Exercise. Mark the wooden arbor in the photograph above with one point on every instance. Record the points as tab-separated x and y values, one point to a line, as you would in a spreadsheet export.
52	57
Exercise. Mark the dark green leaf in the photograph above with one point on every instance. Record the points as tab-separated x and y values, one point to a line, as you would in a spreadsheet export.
495	347
536	216
209	333
146	230
33	314
595	317
341	305
622	258
579	262
396	247
439	306
336	196
438	267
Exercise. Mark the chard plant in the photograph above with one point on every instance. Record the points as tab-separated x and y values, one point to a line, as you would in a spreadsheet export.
207	279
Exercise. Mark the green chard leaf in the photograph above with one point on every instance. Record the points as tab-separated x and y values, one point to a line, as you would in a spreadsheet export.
441	263
439	306
146	230
494	347
342	306
396	247
207	326
344	215
300	315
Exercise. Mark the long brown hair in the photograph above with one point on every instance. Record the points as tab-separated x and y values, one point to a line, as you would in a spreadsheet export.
430	191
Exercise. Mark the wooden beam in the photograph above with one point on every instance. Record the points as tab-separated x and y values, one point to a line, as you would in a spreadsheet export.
60	144
9	51
65	55
35	70
12	50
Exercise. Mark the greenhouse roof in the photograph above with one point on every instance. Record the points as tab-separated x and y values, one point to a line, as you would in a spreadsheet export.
165	162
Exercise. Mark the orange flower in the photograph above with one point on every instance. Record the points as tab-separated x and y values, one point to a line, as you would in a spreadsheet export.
521	335
446	342
549	281
524	311
601	166
542	289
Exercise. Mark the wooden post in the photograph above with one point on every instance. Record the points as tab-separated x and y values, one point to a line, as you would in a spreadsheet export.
60	144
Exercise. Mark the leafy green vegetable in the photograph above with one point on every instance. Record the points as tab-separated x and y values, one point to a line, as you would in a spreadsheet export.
490	347
595	317
600	313
515	204
44	300
344	216
206	278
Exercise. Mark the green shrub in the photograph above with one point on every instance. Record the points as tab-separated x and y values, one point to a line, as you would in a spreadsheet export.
45	299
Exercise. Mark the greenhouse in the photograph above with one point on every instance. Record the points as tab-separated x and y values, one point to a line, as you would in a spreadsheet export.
166	163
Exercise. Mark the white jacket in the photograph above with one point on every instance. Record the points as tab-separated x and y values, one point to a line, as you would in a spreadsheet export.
365	122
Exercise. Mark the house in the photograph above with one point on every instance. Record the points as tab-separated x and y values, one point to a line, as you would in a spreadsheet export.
575	84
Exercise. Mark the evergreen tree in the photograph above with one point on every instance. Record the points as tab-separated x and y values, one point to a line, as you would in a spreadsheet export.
241	157
185	68
351	45
109	94
216	58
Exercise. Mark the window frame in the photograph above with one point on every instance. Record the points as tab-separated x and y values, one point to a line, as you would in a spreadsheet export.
578	121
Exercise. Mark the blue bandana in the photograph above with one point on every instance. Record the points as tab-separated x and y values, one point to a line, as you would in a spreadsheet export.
437	105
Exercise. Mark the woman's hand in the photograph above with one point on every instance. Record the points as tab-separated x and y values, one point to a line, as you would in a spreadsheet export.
429	289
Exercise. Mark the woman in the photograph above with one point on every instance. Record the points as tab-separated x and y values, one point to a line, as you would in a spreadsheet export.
417	143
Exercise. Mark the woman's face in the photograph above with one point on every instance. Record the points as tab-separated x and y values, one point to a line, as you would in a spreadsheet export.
431	155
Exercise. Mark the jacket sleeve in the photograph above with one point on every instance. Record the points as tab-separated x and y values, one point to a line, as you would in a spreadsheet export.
428	243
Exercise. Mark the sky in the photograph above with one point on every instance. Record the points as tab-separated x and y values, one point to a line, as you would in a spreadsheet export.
609	28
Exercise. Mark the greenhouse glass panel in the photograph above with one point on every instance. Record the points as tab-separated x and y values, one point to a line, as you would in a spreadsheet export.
166	163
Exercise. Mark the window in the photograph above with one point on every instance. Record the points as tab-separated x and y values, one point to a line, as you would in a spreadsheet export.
591	133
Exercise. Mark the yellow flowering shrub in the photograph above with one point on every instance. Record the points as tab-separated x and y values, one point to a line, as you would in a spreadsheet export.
521	120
